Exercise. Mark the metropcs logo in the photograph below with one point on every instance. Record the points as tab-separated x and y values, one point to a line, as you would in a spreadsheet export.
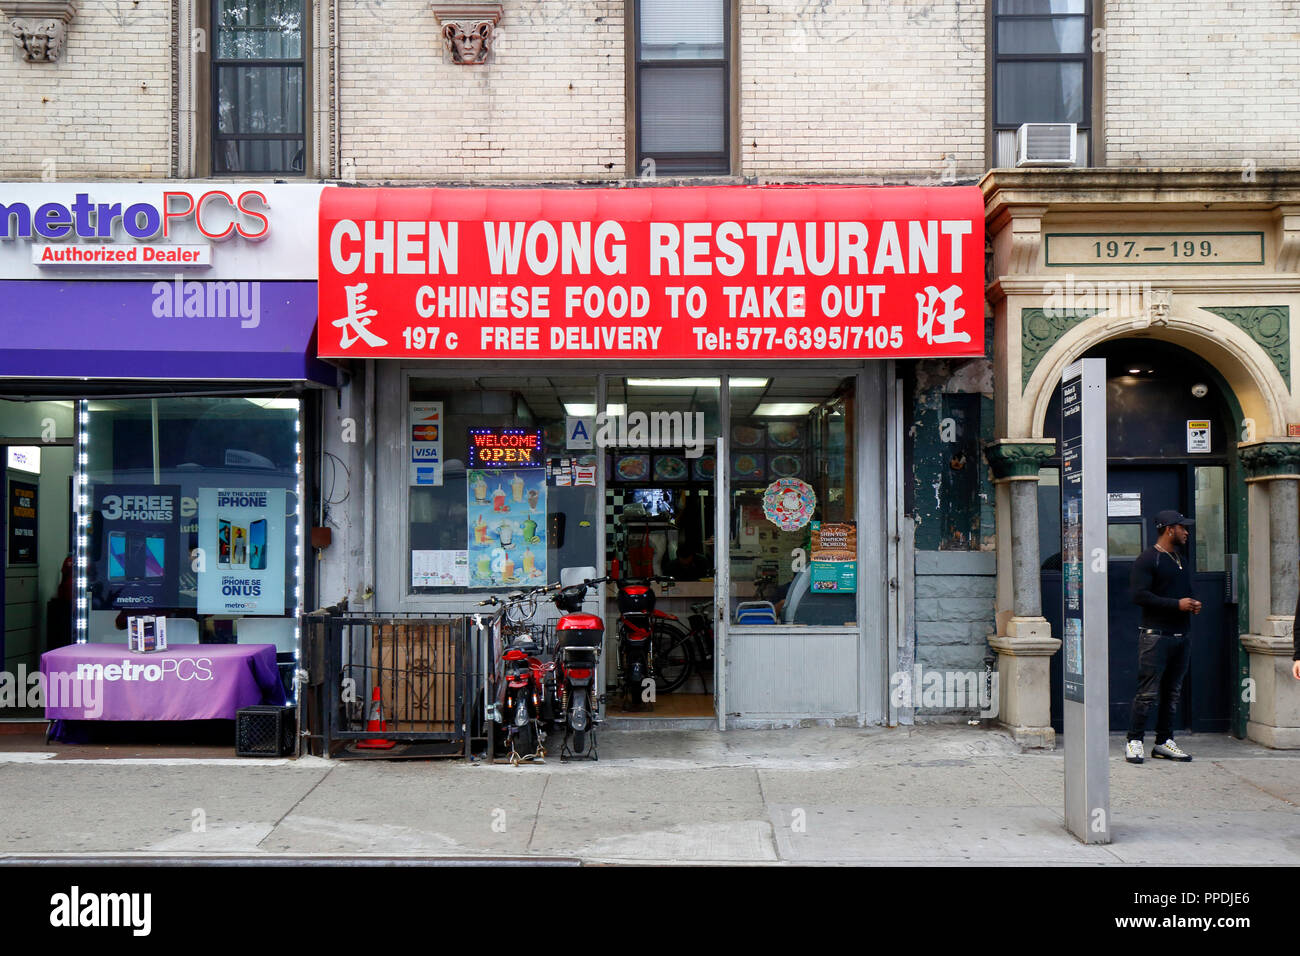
183	669
216	215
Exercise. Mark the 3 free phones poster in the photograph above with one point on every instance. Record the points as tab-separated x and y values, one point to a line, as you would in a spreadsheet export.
137	545
241	534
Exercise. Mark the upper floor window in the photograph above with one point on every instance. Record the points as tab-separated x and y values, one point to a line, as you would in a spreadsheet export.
259	86
683	86
1042	69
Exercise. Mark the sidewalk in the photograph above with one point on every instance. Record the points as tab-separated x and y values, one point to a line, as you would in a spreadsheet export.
927	795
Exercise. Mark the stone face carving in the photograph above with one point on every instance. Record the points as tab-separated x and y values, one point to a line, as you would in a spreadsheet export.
40	40
467	28
39	27
468	43
1158	306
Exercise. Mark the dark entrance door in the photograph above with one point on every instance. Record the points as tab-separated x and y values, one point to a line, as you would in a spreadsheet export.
1150	403
1205	705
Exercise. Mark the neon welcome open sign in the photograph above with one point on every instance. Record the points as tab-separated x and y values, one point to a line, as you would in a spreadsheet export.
505	448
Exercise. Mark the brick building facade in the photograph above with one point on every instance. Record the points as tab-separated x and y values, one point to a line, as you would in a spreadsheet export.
913	92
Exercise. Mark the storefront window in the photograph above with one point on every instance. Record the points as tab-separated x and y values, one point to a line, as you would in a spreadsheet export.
501	496
193	506
793	534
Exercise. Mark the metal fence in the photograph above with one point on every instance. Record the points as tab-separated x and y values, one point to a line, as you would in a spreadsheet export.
429	672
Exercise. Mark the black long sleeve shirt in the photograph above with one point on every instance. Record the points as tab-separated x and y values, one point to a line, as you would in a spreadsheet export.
1157	583
1295	635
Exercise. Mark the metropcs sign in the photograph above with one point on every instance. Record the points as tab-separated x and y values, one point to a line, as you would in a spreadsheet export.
138	231
215	213
655	272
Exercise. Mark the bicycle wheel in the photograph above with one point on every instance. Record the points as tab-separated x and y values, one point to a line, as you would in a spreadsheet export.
674	659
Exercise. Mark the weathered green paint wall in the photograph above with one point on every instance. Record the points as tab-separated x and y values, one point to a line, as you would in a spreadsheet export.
952	414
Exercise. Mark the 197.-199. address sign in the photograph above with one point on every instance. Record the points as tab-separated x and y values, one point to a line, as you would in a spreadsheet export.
1154	249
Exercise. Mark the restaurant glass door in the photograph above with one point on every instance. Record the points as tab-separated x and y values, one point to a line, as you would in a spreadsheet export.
792	548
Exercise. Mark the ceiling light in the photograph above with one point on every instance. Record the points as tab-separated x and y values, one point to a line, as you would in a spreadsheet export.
785	408
695	382
1135	371
585	410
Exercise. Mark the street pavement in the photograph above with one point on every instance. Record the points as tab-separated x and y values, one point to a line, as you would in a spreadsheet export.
939	794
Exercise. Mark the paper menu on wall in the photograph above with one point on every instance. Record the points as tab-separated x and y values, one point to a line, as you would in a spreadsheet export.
439	569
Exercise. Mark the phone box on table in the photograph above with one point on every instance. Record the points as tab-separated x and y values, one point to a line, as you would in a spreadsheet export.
146	634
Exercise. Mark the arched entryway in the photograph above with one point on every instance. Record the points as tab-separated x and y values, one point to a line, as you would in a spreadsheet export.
1172	429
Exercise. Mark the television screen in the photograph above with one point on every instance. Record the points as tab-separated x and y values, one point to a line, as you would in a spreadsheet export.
656	501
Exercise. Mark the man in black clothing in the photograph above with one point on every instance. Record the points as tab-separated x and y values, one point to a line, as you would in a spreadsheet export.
1295	644
1162	587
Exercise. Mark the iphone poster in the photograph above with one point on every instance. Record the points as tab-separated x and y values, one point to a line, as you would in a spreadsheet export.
242	561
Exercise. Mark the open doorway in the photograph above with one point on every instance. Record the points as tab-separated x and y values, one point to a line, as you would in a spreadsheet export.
1170	444
36	607
662	485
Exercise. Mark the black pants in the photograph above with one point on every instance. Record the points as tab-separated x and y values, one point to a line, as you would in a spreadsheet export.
1162	664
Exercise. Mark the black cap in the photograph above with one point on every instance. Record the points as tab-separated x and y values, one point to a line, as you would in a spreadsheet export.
1169	518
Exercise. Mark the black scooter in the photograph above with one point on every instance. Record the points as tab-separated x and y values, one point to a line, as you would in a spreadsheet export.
579	637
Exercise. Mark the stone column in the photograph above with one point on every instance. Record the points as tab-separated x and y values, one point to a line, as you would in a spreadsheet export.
1284	548
1024	642
1274	720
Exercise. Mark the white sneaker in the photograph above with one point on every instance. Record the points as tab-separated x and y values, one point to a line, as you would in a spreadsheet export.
1133	752
1170	751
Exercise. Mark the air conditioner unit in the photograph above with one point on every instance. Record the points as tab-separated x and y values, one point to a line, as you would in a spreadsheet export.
1046	144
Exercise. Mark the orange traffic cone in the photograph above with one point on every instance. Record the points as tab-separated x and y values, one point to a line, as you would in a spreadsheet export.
376	722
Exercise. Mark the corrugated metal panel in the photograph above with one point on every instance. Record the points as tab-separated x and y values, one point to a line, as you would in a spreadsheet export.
793	674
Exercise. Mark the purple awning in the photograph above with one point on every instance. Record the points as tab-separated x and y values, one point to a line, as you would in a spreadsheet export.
176	329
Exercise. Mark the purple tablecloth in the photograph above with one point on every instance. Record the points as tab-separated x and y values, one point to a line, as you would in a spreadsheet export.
187	682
